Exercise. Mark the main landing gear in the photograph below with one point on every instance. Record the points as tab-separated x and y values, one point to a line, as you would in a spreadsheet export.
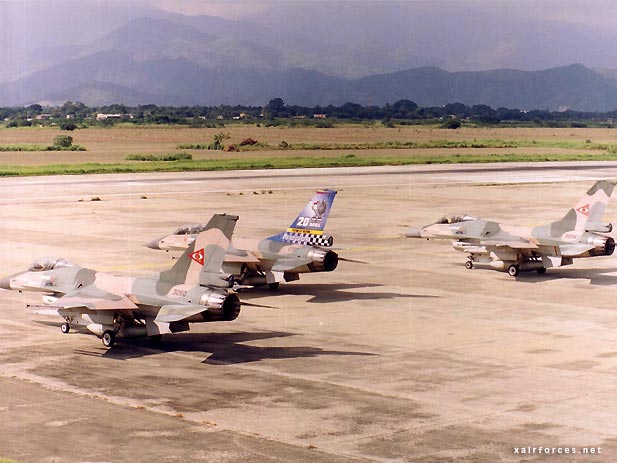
469	264
513	270
65	328
109	338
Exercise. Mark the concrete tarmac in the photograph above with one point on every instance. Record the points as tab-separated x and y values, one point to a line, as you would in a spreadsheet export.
408	358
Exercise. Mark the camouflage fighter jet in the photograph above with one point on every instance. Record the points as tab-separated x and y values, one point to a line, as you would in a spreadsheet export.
578	234
281	257
193	290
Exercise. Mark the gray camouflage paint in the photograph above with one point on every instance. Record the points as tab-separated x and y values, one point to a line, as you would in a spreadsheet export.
162	303
269	261
578	234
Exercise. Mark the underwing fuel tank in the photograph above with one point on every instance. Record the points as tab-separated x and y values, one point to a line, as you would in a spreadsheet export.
526	266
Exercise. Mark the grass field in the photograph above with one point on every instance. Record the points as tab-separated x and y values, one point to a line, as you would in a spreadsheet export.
108	149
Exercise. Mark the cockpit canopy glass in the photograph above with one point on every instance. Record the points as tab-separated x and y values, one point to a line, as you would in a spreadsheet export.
191	229
455	219
48	263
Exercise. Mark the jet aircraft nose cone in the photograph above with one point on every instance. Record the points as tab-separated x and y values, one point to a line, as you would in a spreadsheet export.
154	244
413	233
5	283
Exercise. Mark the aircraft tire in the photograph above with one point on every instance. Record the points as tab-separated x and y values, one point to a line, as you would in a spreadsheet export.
65	328
109	338
541	271
274	286
513	270
469	265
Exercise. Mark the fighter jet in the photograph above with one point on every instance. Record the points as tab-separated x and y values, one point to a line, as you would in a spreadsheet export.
282	257
193	290
579	233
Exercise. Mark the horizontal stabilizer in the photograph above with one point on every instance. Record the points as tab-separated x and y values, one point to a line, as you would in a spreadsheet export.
353	261
178	312
283	265
573	250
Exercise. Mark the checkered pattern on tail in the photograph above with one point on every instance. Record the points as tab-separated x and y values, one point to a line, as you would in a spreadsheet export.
308	238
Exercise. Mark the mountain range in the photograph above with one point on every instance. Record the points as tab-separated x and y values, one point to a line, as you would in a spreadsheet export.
144	55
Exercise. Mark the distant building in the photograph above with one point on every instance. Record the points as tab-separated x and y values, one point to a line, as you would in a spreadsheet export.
43	117
319	116
102	117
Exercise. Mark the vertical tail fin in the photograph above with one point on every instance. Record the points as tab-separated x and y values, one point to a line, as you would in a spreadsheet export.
589	210
309	225
201	262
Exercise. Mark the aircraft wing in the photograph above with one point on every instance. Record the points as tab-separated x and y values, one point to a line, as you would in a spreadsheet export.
100	301
283	265
510	244
178	312
571	250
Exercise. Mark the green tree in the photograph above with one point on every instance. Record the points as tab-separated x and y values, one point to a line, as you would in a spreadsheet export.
63	141
218	140
451	124
275	108
67	125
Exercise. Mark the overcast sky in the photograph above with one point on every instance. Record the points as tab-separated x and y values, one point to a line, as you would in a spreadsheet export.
451	34
593	13
496	33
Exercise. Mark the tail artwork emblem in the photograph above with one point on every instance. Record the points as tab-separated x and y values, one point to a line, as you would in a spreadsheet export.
319	207
584	209
198	256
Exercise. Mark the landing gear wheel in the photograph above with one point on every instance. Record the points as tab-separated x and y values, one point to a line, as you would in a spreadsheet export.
274	286
469	265
65	328
109	338
541	271
156	338
513	270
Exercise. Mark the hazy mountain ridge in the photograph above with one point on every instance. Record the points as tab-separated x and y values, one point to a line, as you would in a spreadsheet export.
114	77
144	55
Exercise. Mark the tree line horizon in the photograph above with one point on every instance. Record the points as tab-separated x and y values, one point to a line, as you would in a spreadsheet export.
78	115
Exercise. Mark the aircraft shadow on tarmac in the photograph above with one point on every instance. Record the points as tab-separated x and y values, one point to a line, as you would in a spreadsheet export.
329	292
596	277
224	348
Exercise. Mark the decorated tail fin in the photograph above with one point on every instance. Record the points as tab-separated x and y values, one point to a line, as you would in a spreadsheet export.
201	262
309	225
587	214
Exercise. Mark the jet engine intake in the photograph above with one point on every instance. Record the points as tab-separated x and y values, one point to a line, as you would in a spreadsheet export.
322	261
221	306
603	245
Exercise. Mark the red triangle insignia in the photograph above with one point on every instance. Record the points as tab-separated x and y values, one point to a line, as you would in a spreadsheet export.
584	209
198	256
